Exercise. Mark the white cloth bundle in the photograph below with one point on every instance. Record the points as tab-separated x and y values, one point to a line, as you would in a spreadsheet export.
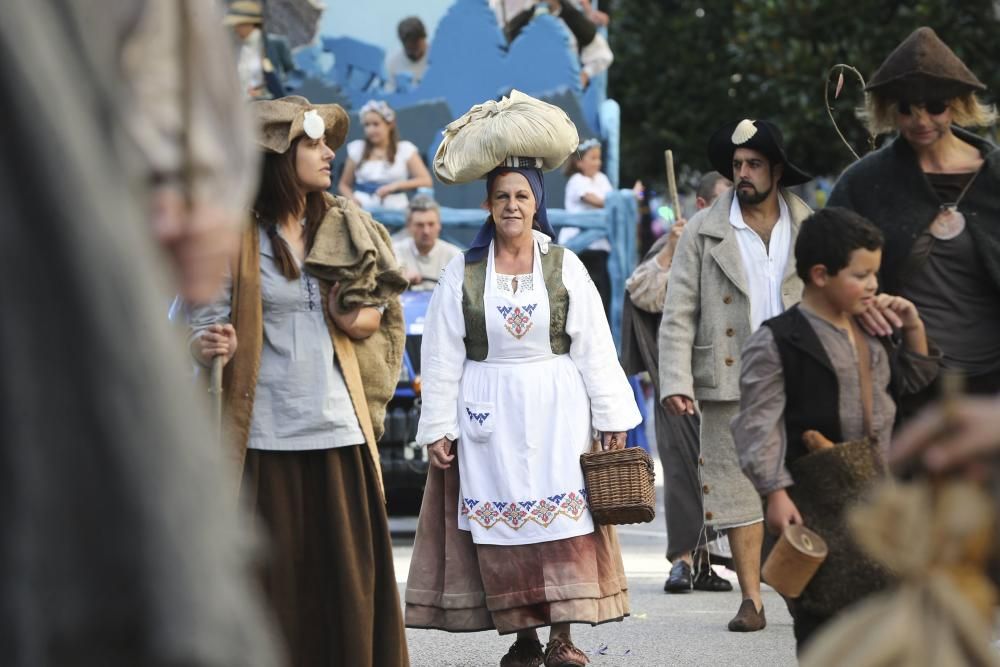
493	132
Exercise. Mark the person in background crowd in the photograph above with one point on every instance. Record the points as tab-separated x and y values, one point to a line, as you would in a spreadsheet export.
264	60
381	168
296	406
937	202
586	189
595	54
423	255
733	269
411	60
676	435
121	545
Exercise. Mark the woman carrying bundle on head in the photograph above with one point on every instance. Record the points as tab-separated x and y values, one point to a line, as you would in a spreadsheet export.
521	371
381	168
301	422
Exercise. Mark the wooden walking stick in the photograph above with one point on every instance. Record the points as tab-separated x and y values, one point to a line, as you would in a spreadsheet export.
675	200
215	392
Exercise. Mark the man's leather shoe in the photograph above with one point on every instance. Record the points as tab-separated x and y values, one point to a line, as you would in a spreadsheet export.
748	619
708	580
679	580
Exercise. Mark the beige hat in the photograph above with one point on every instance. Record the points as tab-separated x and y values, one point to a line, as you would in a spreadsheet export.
243	11
282	121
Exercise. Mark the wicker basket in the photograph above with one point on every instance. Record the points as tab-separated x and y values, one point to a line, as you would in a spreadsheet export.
620	485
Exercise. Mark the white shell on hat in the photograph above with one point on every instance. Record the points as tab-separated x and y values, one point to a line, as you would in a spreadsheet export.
744	131
313	124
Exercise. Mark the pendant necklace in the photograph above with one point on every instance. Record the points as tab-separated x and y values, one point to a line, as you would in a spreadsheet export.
950	222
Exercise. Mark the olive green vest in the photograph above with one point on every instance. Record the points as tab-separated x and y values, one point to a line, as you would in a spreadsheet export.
474	286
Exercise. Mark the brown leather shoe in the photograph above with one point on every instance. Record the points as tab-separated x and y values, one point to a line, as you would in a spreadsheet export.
748	619
560	652
524	653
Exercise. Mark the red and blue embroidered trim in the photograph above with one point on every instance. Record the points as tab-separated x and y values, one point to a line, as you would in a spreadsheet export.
515	514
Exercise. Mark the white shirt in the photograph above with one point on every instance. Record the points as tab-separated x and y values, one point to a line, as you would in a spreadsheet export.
577	186
380	172
763	266
429	266
400	63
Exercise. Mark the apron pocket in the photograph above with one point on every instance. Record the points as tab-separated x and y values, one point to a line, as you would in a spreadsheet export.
479	421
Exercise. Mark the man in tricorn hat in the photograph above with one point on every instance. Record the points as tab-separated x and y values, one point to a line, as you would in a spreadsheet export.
933	191
732	270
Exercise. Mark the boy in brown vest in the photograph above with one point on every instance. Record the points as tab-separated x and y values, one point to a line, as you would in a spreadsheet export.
815	376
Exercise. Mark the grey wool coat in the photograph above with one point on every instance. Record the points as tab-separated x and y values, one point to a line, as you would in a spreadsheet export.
706	320
706	317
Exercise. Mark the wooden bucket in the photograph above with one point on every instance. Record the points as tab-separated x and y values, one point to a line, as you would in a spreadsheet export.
794	560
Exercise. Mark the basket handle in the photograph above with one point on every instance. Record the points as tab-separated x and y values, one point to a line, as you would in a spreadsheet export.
600	441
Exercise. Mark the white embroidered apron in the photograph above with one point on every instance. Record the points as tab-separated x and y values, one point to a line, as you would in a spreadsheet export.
525	420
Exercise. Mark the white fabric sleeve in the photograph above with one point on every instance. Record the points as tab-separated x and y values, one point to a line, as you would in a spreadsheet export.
576	187
647	286
219	311
405	150
759	427
612	403
355	150
596	57
442	357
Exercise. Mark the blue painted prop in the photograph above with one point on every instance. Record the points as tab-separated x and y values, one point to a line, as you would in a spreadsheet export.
357	65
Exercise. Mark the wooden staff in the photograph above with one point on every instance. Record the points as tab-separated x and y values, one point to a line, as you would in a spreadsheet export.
675	200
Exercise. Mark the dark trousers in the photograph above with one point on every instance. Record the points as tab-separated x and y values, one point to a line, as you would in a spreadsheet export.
804	625
596	263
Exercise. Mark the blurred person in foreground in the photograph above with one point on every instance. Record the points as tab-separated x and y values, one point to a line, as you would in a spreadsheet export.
676	435
120	545
423	255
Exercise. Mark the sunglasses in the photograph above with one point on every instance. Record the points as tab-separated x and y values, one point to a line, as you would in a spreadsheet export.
932	107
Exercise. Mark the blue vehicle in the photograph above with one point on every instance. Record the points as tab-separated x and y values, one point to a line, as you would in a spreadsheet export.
404	464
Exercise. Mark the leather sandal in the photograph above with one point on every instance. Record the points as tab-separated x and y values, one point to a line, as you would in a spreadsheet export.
524	653
560	652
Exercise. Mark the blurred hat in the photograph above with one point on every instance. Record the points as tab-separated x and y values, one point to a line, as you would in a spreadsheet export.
243	11
923	68
411	28
282	121
759	135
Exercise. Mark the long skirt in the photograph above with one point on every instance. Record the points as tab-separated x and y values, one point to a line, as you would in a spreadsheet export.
329	574
459	586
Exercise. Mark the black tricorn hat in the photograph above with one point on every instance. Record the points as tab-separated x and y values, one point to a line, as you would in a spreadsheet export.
923	68
760	135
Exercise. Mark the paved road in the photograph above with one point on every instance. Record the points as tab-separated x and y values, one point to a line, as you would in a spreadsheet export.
664	630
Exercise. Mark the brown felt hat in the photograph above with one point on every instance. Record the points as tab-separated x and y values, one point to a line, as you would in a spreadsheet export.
282	121
923	68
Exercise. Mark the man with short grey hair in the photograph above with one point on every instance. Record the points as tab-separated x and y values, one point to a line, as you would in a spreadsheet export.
422	255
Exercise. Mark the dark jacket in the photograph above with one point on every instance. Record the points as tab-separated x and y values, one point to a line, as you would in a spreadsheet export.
888	188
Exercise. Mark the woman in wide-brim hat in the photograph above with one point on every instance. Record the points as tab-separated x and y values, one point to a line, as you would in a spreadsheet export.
519	370
934	190
296	411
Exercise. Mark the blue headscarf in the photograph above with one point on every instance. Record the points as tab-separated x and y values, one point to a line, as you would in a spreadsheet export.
480	244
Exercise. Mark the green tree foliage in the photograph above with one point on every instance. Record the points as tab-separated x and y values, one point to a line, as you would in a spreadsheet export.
682	68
